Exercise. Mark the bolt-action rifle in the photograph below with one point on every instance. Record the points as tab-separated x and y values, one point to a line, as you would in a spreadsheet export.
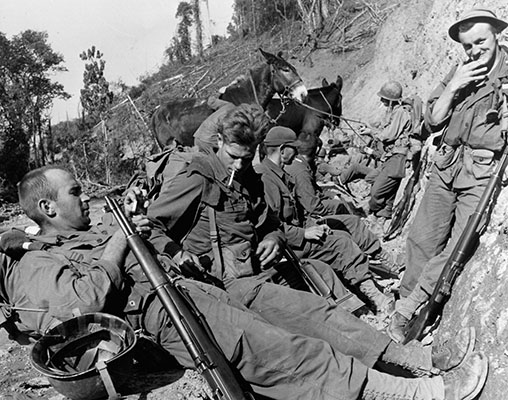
315	282
467	240
186	318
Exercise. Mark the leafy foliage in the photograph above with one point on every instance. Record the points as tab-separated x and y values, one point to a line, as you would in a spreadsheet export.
96	97
26	96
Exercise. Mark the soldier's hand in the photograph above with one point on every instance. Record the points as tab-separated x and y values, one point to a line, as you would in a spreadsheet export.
268	250
467	72
142	224
186	257
317	232
135	201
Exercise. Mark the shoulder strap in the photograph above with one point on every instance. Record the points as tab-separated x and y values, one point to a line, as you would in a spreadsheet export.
214	239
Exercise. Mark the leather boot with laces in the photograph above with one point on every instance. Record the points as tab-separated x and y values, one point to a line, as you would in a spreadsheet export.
396	329
426	361
384	262
381	301
465	382
453	352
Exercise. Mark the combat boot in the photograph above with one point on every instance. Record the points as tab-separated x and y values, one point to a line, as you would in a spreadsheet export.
381	301
466	382
424	361
384	262
396	329
463	383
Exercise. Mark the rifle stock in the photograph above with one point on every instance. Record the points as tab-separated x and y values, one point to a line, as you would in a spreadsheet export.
459	255
186	318
314	281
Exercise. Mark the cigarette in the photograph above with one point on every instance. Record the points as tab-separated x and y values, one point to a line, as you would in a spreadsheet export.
230	181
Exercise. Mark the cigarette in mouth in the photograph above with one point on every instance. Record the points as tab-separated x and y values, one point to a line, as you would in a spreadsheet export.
230	180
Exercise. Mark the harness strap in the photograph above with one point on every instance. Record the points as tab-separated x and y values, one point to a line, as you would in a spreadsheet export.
11	307
253	88
107	381
214	239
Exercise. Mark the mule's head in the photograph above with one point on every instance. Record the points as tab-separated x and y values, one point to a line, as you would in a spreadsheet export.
333	95
285	79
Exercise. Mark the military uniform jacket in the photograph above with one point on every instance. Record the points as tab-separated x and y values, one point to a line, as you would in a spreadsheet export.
472	139
395	134
242	216
279	195
68	278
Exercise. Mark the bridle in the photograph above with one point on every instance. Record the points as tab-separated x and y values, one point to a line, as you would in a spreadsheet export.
283	97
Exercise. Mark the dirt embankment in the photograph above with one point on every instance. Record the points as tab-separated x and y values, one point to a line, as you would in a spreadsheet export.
411	47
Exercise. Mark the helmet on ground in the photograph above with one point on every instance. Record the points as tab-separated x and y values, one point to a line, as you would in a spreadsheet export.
86	357
391	90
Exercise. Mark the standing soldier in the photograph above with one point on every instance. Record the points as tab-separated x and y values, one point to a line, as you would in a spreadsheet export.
465	105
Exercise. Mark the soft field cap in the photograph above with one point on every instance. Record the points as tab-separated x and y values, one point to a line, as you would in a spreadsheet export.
280	135
477	15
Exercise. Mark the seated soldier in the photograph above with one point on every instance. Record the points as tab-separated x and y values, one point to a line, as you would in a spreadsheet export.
318	207
88	268
394	134
335	247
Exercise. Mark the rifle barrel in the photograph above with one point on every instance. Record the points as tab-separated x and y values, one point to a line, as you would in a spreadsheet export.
190	325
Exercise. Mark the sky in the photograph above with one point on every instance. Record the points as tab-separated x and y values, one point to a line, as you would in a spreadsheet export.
132	35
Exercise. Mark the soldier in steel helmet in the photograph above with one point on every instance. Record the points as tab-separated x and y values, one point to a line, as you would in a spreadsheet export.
394	134
465	106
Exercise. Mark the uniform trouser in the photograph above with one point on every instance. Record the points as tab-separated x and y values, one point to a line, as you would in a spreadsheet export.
385	182
385	185
367	241
438	224
357	171
341	253
280	358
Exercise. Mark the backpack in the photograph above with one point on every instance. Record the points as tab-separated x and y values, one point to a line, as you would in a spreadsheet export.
415	105
159	168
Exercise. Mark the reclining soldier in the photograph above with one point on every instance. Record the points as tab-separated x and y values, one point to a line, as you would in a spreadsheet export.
86	268
335	247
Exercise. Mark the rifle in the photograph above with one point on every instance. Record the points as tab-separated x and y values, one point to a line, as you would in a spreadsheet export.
403	208
469	237
314	281
317	284
188	321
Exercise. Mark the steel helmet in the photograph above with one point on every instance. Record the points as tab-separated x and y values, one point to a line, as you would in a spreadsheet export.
391	90
86	357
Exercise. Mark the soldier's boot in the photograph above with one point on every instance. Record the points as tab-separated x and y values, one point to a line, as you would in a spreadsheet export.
381	301
462	383
385	262
404	311
425	361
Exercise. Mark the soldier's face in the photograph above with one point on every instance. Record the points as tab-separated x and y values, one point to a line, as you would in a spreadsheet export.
235	157
287	154
480	43
71	209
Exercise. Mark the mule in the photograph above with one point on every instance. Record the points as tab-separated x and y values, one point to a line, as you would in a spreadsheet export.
179	119
321	105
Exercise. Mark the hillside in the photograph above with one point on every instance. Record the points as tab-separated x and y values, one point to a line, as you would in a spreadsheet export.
373	42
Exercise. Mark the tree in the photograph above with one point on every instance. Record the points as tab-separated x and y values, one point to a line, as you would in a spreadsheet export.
199	27
26	96
184	12
96	99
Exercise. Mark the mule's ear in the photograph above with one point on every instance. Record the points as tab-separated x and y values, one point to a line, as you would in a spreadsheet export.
324	82
339	82
270	58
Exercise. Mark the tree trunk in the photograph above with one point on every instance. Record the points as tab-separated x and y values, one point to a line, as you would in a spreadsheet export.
199	28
